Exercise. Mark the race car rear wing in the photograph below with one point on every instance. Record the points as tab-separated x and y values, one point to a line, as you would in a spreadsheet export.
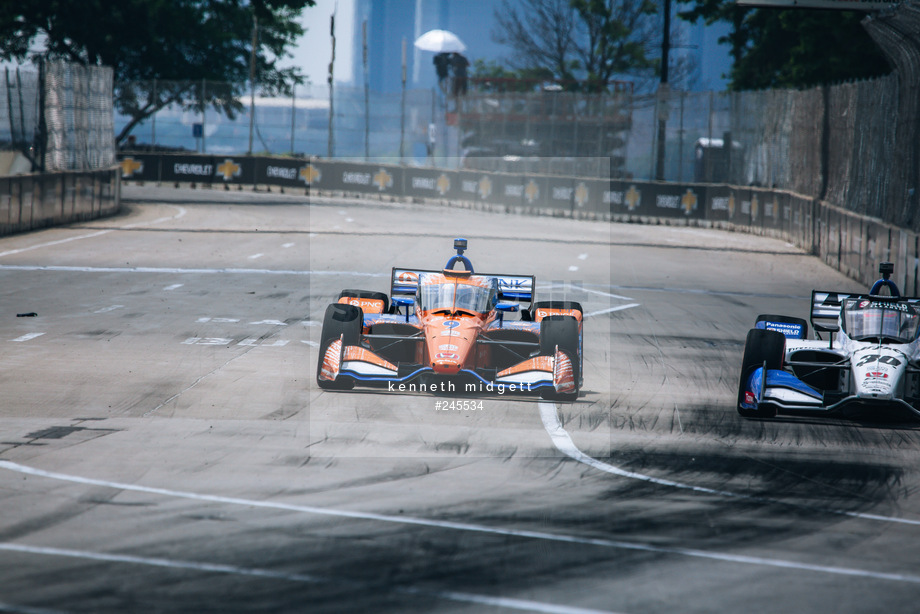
825	310
826	306
404	282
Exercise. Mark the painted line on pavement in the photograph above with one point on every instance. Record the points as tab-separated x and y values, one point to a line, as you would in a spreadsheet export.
475	528
611	310
24	609
95	234
27	337
563	442
505	602
181	271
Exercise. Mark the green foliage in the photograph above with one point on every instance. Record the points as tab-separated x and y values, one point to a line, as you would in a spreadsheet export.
490	76
610	46
582	44
179	43
792	48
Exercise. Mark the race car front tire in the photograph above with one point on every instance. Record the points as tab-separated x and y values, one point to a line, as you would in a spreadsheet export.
761	348
368	294
764	317
340	321
561	332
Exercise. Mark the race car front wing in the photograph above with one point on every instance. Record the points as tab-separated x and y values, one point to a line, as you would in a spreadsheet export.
534	374
786	392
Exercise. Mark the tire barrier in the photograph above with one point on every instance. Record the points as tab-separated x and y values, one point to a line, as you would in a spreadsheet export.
29	202
847	241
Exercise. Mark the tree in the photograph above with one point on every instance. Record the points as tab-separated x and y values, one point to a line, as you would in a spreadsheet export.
589	42
541	38
617	39
161	50
792	48
490	76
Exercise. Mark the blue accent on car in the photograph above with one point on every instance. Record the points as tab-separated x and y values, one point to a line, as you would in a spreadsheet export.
487	382
383	378
878	285
466	263
388	378
521	296
460	245
790	330
778	378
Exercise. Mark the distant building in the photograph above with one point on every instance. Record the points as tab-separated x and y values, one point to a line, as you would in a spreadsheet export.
389	21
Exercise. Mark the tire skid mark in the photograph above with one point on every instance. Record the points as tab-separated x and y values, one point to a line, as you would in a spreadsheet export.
563	442
505	602
505	532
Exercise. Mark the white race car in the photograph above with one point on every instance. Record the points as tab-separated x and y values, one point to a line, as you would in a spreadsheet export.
870	361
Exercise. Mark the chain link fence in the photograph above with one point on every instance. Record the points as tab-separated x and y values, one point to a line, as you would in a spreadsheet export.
19	108
833	142
392	127
59	116
79	121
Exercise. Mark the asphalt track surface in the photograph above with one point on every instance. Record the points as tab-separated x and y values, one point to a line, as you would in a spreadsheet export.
164	447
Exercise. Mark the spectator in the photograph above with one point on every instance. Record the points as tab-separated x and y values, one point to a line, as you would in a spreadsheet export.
441	66
459	65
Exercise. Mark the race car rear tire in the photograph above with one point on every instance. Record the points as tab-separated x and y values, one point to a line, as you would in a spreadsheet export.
555	305
344	321
369	294
761	347
561	332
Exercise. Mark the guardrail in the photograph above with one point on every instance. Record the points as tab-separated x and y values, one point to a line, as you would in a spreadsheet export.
849	242
29	202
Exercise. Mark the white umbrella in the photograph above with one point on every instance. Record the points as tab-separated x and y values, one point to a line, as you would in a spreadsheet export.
440	41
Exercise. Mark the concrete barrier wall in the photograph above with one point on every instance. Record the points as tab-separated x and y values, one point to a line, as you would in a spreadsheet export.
28	202
849	242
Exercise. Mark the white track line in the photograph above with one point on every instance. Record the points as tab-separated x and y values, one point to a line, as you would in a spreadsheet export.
514	604
179	271
51	243
96	234
27	337
473	528
564	444
611	310
23	609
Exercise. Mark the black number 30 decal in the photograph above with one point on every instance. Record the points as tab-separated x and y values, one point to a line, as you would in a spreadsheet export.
885	360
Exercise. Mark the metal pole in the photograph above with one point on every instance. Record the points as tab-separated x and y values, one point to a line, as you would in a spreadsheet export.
402	108
42	124
9	103
367	104
432	133
293	111
708	154
252	78
153	122
680	143
22	111
663	91
331	145
204	108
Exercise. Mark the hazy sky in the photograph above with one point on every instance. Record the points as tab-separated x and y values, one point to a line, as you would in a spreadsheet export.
315	48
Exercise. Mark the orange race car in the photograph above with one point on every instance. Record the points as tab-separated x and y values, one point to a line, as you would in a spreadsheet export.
446	331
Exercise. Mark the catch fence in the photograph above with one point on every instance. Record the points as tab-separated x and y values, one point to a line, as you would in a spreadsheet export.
832	142
58	115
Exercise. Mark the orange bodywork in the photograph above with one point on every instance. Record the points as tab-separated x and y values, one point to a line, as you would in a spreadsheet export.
450	339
